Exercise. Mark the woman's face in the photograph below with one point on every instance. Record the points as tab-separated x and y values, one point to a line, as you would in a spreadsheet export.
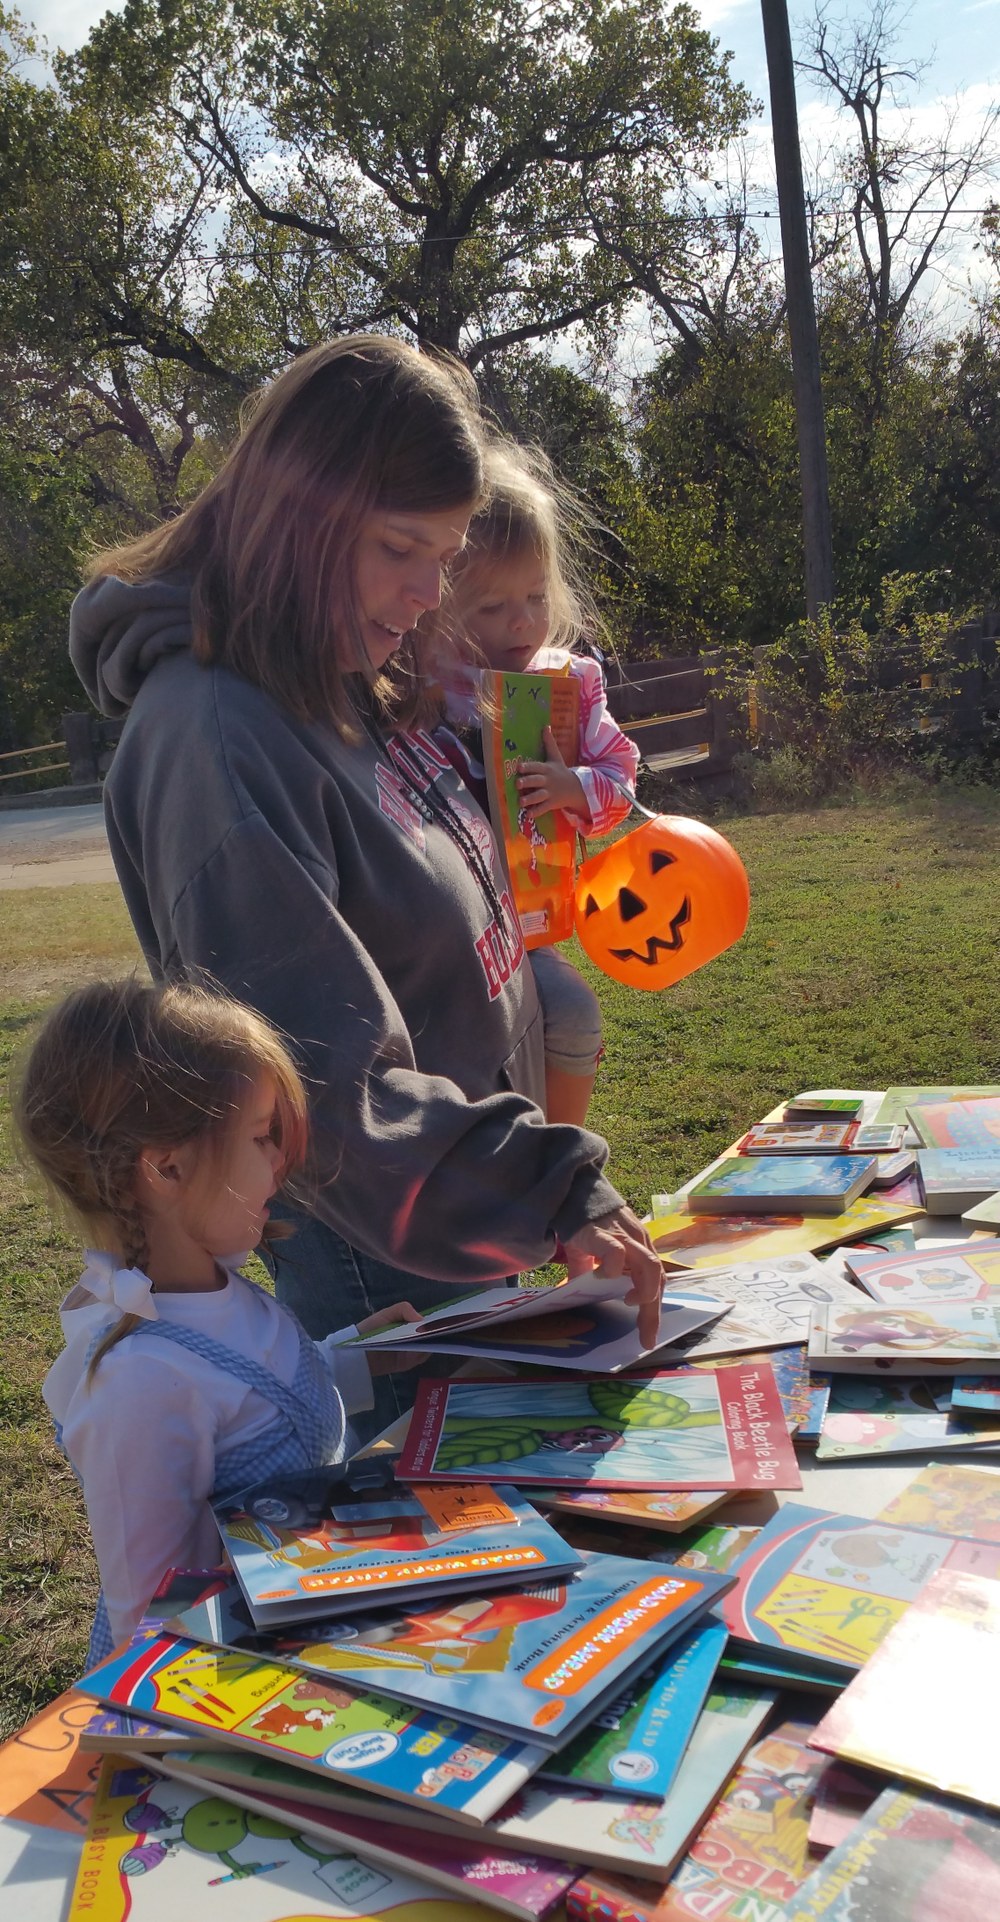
400	567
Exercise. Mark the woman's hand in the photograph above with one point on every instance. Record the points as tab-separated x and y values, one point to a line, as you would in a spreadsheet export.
619	1243
550	783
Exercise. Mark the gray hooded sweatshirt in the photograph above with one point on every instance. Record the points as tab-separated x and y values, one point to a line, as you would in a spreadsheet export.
302	873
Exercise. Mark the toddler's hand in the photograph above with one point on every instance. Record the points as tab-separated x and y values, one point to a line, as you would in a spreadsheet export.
381	1361
388	1317
542	785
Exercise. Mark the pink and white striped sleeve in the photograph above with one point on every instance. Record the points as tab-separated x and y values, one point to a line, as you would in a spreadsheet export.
608	759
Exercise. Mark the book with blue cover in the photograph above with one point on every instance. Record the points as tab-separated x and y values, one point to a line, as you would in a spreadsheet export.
533	1661
679	1429
636	1744
955	1178
822	1184
267	1709
308	1545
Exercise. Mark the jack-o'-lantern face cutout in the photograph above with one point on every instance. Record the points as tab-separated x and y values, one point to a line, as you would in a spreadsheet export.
661	902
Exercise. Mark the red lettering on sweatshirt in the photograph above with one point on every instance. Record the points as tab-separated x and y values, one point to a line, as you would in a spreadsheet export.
426	749
395	806
501	948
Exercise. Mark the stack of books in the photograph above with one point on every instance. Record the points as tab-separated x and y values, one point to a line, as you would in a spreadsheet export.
532	1653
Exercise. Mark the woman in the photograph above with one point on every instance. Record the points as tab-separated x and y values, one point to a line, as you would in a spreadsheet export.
282	821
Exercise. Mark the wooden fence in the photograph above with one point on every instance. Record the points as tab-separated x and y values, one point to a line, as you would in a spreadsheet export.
674	708
669	709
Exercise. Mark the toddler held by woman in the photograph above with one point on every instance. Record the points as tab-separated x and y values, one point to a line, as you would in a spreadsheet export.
518	601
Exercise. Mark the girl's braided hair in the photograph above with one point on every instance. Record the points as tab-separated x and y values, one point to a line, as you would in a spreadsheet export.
119	1067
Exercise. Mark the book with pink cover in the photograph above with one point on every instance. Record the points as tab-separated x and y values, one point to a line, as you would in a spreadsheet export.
926	1706
843	1796
960	1271
973	1123
910	1858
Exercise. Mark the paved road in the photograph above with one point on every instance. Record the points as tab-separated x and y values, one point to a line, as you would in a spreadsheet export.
53	847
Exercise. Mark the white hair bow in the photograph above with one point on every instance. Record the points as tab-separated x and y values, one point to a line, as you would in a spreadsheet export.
127	1289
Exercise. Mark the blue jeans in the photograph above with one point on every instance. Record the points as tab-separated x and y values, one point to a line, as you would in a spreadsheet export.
328	1284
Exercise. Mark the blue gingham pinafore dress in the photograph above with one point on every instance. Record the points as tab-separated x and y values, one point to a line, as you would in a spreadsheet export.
308	1430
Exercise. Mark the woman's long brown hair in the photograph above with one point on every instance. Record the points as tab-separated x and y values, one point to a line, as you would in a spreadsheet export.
269	545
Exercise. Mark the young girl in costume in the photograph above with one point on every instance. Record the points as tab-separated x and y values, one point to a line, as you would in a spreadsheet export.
167	1118
518	598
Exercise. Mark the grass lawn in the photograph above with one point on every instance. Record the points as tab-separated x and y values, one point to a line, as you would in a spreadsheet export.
871	959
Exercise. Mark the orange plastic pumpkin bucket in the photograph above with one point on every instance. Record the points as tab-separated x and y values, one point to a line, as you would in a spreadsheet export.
660	902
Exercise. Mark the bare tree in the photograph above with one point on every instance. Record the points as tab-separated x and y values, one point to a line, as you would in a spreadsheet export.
899	188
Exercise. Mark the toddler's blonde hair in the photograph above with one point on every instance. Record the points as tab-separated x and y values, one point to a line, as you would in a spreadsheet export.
529	512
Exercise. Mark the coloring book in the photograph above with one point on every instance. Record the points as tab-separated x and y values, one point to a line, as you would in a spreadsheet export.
541	852
158	1850
895	1101
686	1240
642	1507
299	1550
952	1179
950	1498
754	1848
497	1660
829	1587
960	1271
685	1429
47	1788
319	1726
601	1337
942	1736
972	1124
877	1337
775	1298
485	1308
576	1825
868	1415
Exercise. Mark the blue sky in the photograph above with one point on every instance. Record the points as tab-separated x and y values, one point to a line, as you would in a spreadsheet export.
955	42
961	42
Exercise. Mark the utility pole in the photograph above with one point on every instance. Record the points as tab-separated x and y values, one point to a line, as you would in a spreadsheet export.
817	537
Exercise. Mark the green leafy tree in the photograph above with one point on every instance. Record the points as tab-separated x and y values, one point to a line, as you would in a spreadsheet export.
434	160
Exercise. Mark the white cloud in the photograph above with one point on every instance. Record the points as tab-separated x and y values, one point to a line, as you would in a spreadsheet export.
66	23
